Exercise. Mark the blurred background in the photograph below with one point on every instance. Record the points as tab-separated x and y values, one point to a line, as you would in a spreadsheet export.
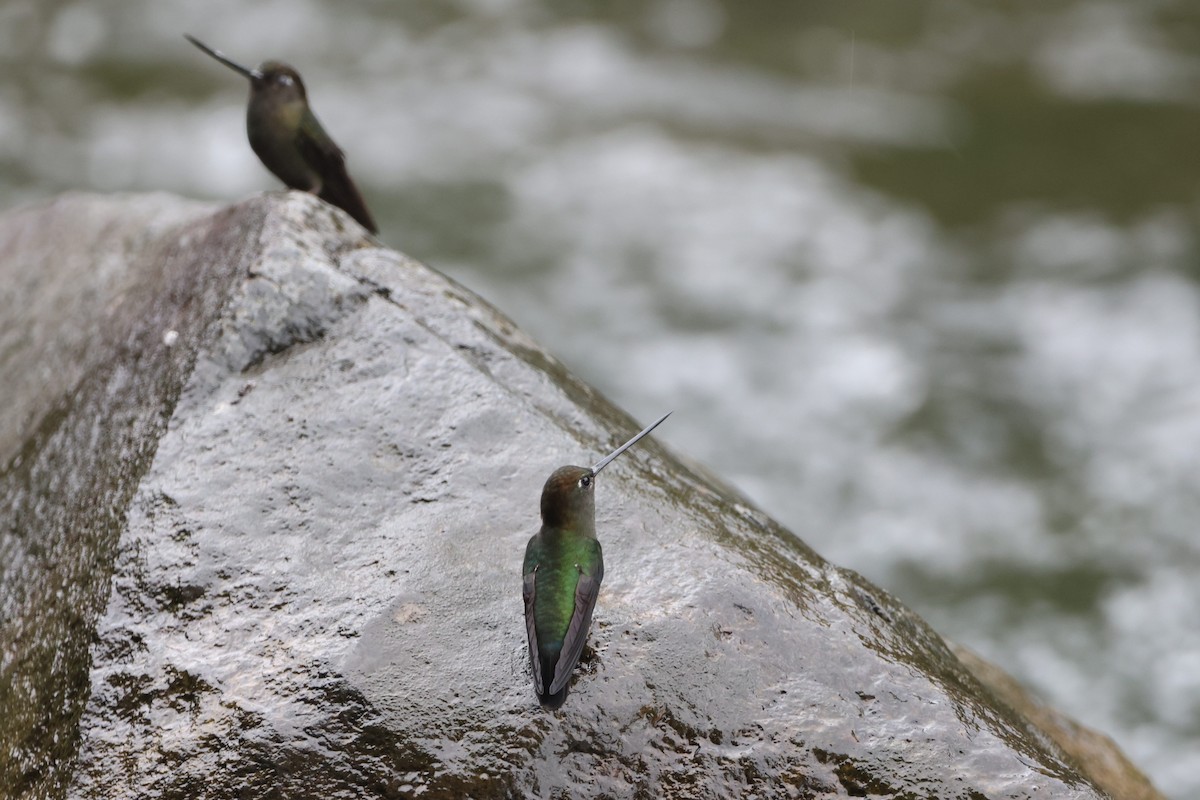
919	277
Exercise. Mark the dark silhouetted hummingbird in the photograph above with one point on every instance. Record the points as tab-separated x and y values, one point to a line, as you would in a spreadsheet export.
562	572
288	139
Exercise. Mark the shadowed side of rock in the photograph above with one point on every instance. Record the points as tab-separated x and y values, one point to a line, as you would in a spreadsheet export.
315	581
90	383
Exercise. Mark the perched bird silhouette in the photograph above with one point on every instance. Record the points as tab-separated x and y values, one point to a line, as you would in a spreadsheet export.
286	136
563	568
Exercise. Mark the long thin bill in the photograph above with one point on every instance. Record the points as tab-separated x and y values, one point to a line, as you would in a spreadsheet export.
602	463
219	56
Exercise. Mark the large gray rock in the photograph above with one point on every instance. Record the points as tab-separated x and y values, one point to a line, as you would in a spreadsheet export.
267	492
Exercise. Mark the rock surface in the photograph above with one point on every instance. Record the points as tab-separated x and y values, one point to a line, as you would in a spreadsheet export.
267	487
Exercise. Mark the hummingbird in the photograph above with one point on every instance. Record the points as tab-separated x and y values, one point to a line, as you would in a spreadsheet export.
562	572
288	139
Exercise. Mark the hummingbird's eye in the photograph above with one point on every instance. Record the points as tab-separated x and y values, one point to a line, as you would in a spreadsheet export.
585	482
284	80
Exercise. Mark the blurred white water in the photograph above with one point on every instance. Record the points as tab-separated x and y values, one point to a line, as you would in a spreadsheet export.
998	420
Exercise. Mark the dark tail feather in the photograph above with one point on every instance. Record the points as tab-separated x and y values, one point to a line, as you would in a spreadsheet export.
548	661
340	191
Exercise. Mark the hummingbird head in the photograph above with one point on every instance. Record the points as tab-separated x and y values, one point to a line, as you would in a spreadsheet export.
569	498
279	79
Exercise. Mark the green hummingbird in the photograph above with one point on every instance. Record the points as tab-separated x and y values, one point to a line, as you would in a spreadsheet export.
562	572
288	139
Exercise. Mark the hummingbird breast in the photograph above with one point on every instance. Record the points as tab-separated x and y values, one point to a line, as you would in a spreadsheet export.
273	128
